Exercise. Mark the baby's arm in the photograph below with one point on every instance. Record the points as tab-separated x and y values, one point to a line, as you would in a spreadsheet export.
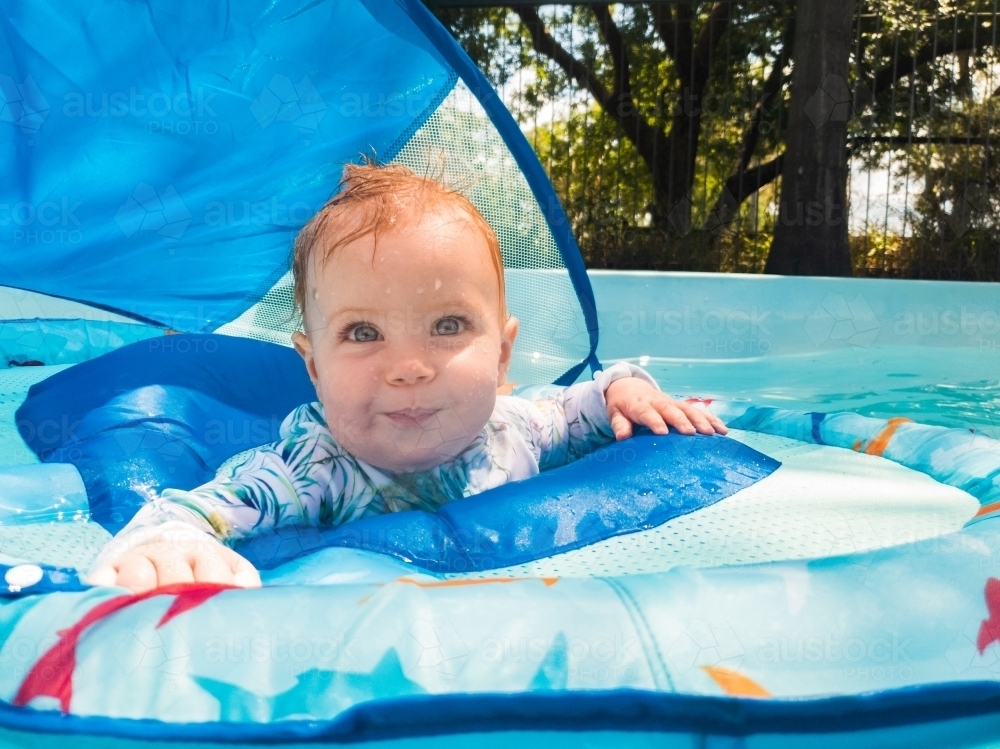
583	416
176	537
179	536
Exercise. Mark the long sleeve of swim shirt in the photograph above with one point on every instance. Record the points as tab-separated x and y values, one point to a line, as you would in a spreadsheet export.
307	478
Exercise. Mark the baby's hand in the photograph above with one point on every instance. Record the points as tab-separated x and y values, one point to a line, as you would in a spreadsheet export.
631	400
161	562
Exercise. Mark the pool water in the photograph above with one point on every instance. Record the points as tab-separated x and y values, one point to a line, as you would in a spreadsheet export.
955	387
925	350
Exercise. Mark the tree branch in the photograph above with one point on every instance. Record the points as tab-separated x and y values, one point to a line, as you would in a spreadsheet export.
545	44
738	188
675	31
711	31
646	138
666	29
973	39
744	185
771	89
684	34
619	57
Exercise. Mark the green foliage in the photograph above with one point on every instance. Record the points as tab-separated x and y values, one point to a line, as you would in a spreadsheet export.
599	175
950	224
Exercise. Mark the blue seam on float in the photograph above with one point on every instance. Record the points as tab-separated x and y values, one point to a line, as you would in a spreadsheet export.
620	710
526	159
979	486
817	419
649	643
845	428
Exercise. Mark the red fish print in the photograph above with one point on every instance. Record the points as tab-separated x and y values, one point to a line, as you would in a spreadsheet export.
989	630
52	674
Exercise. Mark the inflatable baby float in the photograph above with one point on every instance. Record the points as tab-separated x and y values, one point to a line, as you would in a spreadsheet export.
823	574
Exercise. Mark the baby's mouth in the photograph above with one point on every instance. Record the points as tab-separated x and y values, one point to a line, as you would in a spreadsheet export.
412	416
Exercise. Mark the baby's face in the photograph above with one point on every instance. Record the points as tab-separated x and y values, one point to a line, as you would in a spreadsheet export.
405	341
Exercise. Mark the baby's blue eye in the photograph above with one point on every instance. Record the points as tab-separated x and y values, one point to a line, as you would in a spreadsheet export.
364	334
448	326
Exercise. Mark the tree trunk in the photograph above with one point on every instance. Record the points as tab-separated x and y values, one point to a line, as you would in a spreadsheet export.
810	236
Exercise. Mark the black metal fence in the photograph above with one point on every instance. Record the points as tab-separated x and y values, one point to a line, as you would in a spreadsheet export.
663	128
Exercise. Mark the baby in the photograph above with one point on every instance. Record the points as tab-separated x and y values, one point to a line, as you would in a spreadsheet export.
407	339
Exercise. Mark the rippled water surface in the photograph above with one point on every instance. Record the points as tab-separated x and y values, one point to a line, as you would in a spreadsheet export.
956	387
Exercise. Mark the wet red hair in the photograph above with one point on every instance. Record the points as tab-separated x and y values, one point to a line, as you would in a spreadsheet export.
370	198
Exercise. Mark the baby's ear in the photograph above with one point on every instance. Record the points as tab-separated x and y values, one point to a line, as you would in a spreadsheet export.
507	337
304	346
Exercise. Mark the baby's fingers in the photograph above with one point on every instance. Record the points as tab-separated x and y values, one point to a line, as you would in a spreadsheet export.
244	574
215	563
172	567
701	419
675	417
135	572
106	575
651	418
212	568
621	425
717	423
704	421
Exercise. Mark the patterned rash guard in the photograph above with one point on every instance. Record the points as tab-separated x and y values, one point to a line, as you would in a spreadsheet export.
307	478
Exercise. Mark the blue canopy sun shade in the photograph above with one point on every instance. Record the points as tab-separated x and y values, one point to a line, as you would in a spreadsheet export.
158	158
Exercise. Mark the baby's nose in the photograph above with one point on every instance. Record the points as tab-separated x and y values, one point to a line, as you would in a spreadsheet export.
411	371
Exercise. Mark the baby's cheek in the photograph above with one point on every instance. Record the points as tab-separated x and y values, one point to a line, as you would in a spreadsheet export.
480	401
347	414
475	386
479	359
